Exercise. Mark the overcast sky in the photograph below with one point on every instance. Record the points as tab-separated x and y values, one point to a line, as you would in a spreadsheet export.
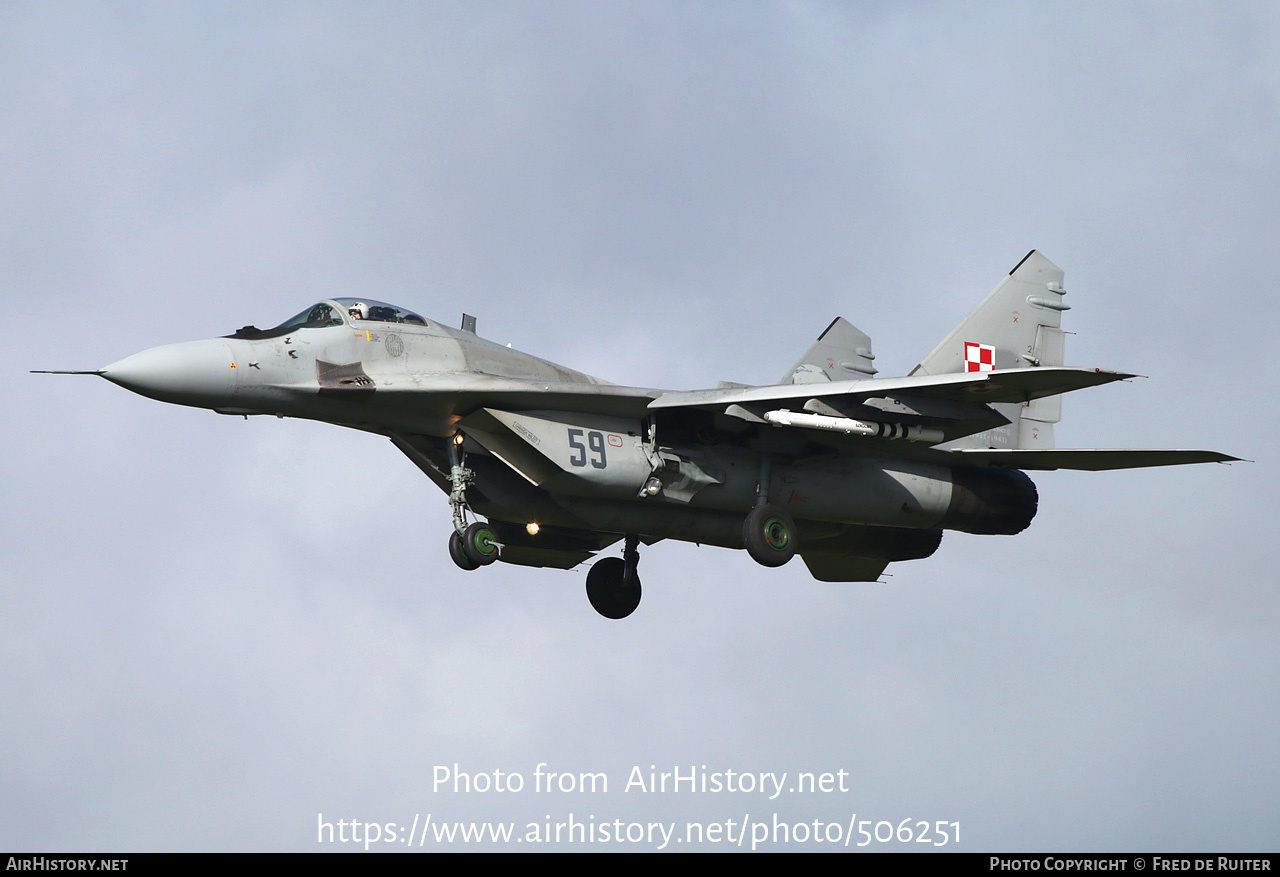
214	630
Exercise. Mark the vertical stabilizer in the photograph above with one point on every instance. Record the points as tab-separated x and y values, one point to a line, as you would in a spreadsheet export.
841	353
1019	325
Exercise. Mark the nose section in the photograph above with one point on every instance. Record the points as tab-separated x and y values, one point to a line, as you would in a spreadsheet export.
195	373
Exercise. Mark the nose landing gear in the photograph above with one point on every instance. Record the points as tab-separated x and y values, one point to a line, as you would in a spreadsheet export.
479	544
470	546
458	553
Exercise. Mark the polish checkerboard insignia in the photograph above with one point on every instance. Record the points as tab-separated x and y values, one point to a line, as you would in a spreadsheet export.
979	357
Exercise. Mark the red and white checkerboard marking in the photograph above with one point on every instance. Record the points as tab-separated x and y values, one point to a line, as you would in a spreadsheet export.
979	357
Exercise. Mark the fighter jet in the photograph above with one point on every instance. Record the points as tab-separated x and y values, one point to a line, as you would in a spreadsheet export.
544	466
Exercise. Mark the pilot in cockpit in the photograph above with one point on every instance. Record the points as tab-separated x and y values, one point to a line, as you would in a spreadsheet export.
358	311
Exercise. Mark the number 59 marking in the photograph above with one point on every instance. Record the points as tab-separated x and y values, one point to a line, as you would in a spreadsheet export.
595	441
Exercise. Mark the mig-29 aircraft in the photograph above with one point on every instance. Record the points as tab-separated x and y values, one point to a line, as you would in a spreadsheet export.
848	470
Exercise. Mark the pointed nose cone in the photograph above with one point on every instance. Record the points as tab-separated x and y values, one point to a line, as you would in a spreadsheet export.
196	373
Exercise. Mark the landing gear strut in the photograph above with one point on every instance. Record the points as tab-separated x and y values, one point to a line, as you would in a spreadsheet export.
460	477
613	586
769	532
475	545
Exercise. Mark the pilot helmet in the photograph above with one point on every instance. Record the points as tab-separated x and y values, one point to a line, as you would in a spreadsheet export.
359	310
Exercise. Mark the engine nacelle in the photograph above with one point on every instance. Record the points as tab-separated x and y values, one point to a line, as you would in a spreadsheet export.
991	501
883	493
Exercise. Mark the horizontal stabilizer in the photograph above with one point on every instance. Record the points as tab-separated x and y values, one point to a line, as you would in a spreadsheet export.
1092	460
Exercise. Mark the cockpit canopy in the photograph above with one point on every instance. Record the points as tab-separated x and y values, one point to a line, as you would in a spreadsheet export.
324	314
379	311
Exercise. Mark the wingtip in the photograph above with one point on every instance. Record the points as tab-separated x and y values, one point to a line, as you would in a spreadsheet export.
1115	375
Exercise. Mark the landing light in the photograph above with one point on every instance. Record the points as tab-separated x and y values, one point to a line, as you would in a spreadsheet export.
459	439
532	528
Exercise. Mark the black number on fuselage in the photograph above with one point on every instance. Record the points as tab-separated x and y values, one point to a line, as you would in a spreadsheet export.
581	459
595	440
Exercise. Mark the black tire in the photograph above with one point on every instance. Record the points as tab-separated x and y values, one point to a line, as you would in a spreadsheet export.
770	535
480	544
459	553
609	595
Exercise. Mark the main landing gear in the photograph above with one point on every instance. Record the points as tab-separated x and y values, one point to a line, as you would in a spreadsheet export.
769	532
613	587
770	535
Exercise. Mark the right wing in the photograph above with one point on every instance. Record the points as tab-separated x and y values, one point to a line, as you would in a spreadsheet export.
1000	385
1088	459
